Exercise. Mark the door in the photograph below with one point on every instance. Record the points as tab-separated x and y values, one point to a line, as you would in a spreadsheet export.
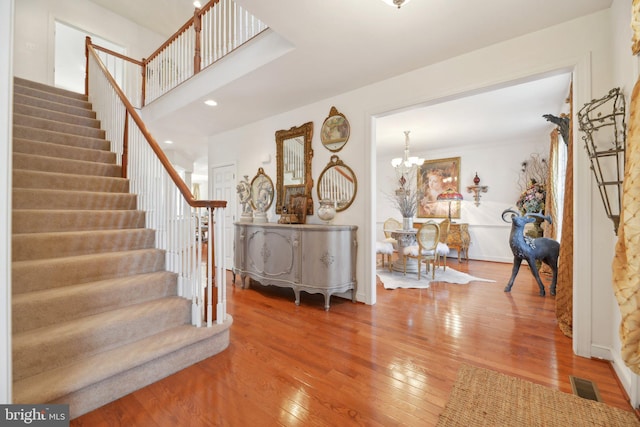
223	188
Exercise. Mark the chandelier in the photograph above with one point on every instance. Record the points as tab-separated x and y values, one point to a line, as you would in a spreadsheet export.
397	3
406	162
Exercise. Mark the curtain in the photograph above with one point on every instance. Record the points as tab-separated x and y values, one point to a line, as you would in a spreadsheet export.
626	263
551	207
564	286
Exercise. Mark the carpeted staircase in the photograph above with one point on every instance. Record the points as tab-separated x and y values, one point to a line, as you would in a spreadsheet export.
95	314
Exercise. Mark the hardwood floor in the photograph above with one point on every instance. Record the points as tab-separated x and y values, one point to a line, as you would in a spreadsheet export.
390	364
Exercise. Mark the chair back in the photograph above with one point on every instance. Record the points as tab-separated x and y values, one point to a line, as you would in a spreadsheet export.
428	236
390	225
444	230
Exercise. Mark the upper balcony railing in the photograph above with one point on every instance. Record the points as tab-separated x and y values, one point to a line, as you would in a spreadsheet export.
215	30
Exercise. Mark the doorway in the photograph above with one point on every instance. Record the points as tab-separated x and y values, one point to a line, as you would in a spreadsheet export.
70	62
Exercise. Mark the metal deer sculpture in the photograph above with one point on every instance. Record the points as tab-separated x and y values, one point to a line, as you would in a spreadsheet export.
526	248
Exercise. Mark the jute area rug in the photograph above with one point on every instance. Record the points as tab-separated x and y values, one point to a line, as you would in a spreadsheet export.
481	397
397	279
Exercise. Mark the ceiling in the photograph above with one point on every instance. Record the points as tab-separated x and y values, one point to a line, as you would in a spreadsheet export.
344	45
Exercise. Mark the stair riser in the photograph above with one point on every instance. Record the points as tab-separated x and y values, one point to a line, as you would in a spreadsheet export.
99	333
42	113
38	309
33	134
53	106
50	180
115	387
30	276
34	246
37	123
25	198
42	221
46	149
50	89
74	167
53	97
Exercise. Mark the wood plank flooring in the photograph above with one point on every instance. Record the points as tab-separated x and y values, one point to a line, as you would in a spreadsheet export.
390	364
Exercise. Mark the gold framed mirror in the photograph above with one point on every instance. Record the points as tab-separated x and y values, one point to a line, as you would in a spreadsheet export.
293	158
337	183
335	131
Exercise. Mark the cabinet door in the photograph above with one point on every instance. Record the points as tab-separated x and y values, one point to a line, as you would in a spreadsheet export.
327	258
272	253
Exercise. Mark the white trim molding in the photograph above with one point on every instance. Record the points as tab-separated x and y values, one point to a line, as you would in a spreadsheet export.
6	114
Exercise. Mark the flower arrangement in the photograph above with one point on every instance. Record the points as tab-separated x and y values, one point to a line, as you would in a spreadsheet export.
532	198
405	199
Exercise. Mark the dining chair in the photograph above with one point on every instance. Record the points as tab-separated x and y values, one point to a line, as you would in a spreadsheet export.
427	238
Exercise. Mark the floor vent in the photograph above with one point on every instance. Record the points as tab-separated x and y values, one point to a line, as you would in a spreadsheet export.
585	388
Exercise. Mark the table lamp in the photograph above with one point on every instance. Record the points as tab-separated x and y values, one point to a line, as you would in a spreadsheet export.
450	196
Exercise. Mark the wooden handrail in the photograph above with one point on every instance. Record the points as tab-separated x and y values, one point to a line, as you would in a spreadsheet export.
116	54
197	13
186	193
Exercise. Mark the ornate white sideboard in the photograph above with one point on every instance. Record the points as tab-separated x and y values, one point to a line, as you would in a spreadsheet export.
304	257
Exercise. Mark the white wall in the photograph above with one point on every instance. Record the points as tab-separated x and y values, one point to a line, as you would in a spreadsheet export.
35	25
6	108
583	41
498	166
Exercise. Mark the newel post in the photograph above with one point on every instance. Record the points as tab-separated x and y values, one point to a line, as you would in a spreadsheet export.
144	81
197	26
87	42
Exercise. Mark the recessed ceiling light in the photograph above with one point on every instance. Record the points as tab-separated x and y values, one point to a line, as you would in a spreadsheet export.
211	102
168	141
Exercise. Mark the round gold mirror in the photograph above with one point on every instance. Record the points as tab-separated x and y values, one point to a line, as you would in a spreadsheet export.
335	131
261	191
337	183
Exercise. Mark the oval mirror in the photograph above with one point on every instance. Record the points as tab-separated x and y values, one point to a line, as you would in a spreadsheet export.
261	191
338	183
293	158
335	131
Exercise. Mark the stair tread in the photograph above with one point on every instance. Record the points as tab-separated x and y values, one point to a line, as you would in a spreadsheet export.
27	178
57	126
67	259
62	343
61	116
49	385
72	161
87	299
49	105
70	148
19	81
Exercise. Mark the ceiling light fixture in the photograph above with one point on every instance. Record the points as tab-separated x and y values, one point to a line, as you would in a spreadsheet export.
406	162
168	141
211	102
396	3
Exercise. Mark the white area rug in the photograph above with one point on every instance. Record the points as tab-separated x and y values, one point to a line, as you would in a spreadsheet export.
398	280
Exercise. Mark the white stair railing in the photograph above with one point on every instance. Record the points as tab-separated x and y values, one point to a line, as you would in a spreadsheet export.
170	207
215	30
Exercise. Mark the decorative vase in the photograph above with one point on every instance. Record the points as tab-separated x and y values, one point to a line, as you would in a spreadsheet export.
327	210
407	223
476	179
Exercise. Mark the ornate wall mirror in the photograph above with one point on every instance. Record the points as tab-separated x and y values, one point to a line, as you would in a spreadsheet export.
338	183
293	158
261	192
335	131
